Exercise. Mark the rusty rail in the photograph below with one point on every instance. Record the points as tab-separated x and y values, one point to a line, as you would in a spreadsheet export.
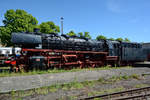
142	93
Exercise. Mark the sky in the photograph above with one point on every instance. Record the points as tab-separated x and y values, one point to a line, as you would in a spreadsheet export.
111	18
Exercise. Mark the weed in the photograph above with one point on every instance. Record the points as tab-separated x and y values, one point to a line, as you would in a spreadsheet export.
115	78
33	72
28	93
75	85
73	97
101	79
98	92
43	90
114	90
19	98
88	83
21	93
97	99
37	90
54	88
90	94
125	77
12	93
64	87
140	85
135	76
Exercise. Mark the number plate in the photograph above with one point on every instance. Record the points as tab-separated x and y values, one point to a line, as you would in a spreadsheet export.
37	59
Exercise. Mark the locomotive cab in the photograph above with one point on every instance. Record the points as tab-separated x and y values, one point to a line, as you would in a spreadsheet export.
113	48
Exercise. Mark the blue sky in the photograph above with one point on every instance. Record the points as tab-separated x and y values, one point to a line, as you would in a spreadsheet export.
111	18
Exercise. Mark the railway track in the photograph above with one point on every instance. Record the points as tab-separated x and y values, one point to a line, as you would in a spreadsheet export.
133	94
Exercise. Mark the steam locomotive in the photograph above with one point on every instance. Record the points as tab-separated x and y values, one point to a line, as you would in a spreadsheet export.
53	50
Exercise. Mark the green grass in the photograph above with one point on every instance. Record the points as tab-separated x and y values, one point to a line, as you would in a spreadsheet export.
77	85
101	92
141	85
34	72
4	67
50	89
118	78
135	76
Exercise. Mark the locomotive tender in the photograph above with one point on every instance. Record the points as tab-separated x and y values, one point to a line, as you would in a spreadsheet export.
42	51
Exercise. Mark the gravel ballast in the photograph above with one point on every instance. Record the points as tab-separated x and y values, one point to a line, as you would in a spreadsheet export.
14	83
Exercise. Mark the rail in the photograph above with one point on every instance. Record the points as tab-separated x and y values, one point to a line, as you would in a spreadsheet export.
140	93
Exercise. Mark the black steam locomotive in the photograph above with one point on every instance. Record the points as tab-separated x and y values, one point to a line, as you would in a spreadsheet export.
125	50
83	49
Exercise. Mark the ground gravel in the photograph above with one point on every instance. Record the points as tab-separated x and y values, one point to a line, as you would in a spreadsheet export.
35	81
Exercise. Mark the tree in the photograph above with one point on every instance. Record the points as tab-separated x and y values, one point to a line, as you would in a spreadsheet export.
16	21
71	33
112	39
126	40
85	34
80	34
99	37
119	39
5	36
49	27
19	21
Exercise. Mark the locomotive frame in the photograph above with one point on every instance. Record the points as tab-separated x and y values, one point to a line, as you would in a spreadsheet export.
62	59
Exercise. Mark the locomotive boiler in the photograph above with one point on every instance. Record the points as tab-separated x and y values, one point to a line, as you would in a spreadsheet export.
57	42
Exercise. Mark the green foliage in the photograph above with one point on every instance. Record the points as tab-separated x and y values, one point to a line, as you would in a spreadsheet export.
118	89
112	39
99	37
85	34
97	99
72	98
141	85
49	27
119	39
125	77
42	90
88	83
80	34
5	36
71	33
16	21
126	40
75	85
54	88
135	76
101	79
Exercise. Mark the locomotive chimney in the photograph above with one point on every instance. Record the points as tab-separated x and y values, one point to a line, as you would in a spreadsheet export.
62	24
